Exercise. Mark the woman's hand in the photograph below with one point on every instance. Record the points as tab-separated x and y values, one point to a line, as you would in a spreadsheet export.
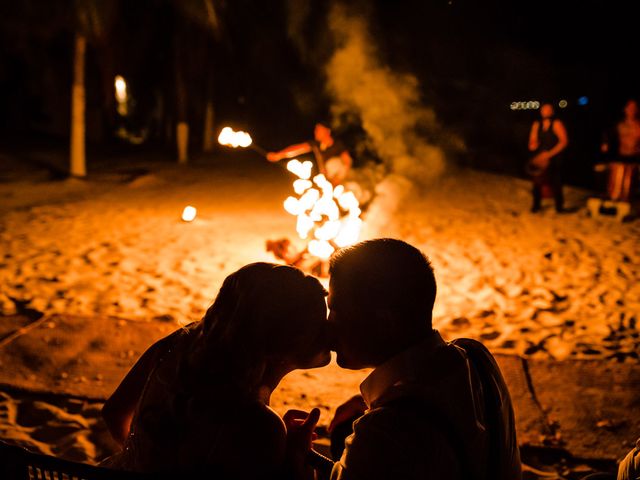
300	434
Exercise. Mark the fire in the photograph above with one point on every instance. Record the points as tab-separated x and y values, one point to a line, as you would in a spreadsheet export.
328	216
301	169
121	88
231	138
122	95
189	214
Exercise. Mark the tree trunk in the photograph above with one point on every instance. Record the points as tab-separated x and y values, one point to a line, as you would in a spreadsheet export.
78	161
108	93
182	125
208	136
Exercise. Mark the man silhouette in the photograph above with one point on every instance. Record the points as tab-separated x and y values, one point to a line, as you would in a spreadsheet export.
434	409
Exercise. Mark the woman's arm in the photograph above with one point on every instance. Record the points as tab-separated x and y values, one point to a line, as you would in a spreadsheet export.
119	408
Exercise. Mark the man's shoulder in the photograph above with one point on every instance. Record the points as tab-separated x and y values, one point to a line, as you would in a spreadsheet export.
473	348
400	421
394	442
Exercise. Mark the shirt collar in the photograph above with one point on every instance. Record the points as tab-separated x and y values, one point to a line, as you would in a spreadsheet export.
399	369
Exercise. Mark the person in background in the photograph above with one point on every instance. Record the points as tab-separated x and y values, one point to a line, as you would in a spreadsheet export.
623	170
547	141
332	158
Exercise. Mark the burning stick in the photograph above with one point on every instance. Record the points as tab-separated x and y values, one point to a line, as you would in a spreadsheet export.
326	215
230	138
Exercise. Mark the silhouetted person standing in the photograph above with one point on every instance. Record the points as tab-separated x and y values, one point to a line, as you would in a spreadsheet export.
547	140
623	170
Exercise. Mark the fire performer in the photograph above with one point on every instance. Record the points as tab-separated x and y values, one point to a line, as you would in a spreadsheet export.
547	140
331	155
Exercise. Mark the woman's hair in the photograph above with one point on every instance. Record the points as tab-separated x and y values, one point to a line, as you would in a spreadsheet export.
262	311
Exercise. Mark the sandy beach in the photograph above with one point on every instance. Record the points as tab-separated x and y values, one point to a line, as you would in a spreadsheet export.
113	247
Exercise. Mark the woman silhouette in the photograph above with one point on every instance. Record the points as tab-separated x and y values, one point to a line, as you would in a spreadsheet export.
200	397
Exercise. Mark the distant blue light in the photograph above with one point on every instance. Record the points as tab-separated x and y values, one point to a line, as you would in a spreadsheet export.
583	101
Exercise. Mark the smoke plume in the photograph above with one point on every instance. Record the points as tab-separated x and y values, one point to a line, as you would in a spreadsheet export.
386	102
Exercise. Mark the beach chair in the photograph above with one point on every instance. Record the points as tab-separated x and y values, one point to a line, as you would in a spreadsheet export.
17	463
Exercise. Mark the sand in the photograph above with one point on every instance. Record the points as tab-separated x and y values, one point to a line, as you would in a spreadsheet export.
113	246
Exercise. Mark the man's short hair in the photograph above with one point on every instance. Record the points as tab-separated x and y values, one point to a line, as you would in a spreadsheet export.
386	274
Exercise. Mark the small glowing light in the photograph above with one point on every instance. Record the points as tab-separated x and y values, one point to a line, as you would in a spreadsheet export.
292	205
583	101
230	138
528	105
300	169
300	186
304	225
349	232
121	95
121	89
328	231
321	248
563	103
189	214
348	201
308	200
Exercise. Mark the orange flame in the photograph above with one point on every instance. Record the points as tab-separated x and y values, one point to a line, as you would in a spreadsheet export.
189	214
231	138
329	216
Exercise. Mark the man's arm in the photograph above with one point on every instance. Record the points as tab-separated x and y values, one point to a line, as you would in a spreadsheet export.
289	152
384	446
533	137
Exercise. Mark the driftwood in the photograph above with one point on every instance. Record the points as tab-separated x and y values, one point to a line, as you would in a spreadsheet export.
284	250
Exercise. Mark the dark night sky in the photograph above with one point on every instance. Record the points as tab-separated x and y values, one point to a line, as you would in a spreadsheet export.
472	59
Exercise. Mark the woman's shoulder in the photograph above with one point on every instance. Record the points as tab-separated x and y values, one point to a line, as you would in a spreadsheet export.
266	424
